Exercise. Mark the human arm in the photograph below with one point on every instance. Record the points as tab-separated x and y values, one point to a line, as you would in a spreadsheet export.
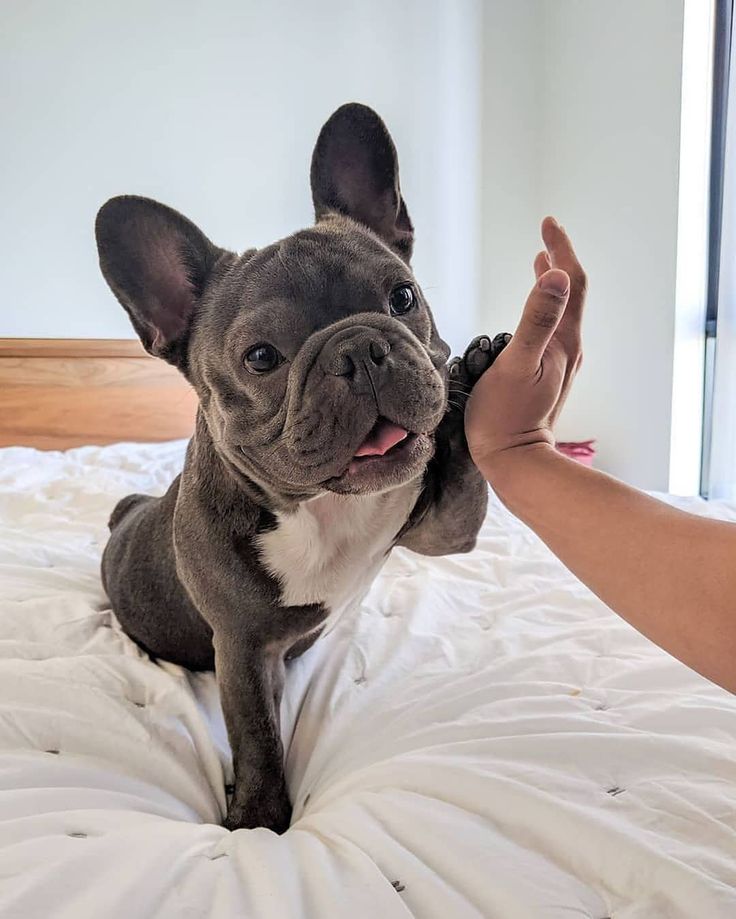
672	575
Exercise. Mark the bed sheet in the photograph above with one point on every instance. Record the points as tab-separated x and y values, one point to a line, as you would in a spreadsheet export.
481	738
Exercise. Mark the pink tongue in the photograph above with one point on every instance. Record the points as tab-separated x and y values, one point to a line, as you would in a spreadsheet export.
381	439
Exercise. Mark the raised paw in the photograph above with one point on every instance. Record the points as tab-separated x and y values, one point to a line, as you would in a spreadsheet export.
479	355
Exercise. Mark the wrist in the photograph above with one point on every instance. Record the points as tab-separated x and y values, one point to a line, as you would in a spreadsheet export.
508	471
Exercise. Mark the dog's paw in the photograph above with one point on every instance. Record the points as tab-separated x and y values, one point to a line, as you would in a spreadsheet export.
273	814
479	355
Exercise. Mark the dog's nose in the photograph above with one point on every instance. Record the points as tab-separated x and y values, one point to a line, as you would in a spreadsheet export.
342	355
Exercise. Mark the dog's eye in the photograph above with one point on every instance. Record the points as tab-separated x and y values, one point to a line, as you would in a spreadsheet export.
262	358
401	300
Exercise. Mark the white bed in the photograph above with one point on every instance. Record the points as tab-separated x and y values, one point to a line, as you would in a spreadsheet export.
483	739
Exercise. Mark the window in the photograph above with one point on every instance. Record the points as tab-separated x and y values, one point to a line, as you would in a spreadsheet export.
719	430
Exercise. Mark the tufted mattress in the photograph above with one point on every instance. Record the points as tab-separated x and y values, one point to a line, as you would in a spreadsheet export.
483	739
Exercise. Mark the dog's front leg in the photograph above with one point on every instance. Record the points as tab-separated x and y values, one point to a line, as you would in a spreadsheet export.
251	636
250	680
452	504
252	632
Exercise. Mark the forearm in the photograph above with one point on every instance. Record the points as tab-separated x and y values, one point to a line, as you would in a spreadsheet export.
672	575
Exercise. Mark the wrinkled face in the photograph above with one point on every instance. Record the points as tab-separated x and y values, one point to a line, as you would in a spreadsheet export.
317	361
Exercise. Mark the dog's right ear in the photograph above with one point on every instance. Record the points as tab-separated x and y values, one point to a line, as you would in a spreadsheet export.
157	264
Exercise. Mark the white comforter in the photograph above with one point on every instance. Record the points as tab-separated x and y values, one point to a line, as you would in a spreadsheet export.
483	739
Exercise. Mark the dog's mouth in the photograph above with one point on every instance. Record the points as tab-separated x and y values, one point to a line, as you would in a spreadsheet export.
386	443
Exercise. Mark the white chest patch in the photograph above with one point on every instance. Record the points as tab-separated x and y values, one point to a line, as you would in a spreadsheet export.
332	547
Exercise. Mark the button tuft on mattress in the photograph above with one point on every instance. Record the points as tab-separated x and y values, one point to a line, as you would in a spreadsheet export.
359	680
615	791
53	752
77	835
398	886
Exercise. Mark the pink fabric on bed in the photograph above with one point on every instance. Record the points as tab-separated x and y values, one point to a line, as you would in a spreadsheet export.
583	452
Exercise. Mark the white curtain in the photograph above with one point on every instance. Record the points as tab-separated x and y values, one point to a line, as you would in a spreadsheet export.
722	478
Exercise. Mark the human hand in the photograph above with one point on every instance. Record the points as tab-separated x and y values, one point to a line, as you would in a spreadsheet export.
516	402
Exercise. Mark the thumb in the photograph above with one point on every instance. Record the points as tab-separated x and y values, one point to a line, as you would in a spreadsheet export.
542	313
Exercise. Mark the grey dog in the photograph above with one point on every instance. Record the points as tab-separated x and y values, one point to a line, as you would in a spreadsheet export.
329	429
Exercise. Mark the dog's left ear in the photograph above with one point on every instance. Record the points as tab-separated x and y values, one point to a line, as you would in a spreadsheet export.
355	171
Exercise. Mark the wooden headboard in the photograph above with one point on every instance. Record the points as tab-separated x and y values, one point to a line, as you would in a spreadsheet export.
60	393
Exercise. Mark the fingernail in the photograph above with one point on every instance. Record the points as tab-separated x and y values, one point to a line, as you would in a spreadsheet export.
555	282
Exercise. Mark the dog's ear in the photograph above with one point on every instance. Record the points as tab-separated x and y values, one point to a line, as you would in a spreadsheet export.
157	264
355	171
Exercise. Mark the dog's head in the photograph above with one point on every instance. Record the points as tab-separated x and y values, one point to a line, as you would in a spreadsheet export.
316	359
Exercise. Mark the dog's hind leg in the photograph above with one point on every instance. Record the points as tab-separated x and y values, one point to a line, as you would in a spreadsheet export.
123	506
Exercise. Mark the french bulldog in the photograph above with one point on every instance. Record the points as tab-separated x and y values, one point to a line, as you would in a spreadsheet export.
329	430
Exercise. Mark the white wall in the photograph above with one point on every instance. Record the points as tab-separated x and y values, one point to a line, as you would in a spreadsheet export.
213	108
599	109
513	68
503	110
